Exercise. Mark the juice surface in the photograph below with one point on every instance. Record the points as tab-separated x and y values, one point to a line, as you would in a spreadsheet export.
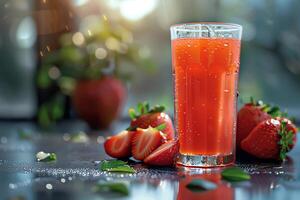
205	78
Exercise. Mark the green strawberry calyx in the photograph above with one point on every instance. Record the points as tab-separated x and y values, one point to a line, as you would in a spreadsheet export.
286	140
273	111
144	108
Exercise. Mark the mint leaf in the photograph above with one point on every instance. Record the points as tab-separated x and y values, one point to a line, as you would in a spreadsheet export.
24	135
125	168
47	158
52	157
107	164
120	188
200	185
161	127
235	174
116	166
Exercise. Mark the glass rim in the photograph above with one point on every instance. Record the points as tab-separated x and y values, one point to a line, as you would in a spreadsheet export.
225	26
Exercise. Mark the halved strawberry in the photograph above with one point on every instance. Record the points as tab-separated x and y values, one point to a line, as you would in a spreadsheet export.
119	146
164	155
145	141
146	116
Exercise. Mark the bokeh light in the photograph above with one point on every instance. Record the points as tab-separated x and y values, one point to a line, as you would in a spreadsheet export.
79	2
26	33
133	9
78	39
100	53
112	43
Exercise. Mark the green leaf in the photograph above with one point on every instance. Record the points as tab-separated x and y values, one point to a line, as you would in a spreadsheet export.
120	188
146	107
51	157
132	113
43	116
235	174
200	185
132	128
125	168
286	139
107	164
116	166
274	111
161	127
140	108
43	80
57	110
24	135
143	108
157	108
252	101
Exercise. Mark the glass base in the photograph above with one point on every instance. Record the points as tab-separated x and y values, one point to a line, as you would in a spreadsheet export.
205	161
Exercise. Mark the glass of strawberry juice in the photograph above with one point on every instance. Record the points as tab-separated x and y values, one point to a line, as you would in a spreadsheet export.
205	67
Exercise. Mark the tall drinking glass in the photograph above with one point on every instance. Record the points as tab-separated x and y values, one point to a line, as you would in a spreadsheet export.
205	66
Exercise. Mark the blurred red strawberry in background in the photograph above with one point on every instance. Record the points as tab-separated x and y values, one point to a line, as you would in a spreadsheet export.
99	102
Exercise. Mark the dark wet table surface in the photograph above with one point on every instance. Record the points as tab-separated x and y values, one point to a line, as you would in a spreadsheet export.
76	170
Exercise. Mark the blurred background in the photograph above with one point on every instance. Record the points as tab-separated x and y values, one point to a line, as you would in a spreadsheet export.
47	47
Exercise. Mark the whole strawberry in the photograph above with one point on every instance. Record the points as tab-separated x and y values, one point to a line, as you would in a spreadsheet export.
146	116
271	139
251	114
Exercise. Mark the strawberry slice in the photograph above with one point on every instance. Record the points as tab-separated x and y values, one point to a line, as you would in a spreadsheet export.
164	155
145	141
119	146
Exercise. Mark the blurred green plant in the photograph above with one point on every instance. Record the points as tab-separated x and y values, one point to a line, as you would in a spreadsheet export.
105	48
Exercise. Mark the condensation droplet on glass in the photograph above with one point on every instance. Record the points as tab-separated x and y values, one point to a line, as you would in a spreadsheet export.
225	45
226	90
